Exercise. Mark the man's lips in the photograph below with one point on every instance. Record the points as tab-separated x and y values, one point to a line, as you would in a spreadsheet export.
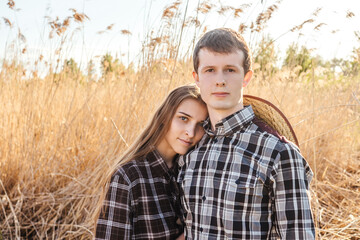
220	94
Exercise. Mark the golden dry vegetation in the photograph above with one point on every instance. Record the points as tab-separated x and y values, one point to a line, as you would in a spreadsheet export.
61	133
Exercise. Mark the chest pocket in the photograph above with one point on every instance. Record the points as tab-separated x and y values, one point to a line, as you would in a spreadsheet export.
240	185
243	195
244	183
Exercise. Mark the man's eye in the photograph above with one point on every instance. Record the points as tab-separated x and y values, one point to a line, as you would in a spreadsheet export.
231	70
209	70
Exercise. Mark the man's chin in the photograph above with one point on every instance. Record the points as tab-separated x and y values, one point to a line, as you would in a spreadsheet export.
225	108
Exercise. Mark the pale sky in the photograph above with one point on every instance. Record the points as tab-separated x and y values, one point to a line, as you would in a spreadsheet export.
139	16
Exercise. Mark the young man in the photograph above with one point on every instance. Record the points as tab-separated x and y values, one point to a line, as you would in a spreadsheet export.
240	182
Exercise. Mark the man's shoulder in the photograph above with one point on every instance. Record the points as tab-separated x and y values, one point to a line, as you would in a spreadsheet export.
256	131
262	126
271	136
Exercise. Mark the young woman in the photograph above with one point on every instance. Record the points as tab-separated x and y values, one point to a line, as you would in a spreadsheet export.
142	201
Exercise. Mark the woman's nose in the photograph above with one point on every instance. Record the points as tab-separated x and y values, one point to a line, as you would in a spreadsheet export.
190	132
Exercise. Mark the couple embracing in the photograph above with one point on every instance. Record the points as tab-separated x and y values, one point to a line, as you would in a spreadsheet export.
206	166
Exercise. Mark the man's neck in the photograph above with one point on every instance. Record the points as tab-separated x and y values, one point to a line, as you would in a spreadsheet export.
216	115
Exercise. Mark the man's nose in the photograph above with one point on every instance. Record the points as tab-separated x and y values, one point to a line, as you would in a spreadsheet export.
220	80
220	84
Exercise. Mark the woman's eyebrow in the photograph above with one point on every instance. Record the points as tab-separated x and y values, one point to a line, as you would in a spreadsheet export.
185	114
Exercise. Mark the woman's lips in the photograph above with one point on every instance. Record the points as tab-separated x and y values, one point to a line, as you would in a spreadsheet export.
188	143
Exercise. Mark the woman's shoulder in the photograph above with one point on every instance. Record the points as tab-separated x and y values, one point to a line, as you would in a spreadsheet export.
130	171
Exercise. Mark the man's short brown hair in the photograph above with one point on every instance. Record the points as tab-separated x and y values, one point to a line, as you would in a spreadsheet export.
223	40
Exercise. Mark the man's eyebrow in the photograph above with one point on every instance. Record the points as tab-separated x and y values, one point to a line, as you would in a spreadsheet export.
208	66
229	65
211	66
185	114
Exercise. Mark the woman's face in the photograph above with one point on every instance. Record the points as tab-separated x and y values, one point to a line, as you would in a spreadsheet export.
185	130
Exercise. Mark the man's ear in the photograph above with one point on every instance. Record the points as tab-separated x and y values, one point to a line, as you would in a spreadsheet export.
247	78
196	78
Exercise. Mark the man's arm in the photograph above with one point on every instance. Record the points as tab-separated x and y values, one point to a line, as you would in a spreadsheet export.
115	218
293	218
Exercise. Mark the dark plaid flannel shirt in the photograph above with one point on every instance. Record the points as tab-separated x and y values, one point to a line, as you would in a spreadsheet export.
241	182
142	202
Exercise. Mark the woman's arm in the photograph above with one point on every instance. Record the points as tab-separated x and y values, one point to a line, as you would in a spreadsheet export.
115	220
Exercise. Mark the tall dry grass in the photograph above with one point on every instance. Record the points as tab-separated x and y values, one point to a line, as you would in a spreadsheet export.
58	139
60	134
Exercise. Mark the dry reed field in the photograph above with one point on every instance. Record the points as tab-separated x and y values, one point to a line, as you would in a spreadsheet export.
62	132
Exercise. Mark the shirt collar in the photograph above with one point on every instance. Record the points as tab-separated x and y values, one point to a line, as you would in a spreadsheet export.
158	166
231	123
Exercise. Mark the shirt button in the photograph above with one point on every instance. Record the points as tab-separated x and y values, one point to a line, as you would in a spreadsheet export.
203	198
201	229
215	140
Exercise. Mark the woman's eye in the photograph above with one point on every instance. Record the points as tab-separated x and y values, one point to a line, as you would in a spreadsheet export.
183	118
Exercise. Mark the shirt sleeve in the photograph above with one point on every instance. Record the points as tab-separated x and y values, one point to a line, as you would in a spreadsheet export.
293	217
115	220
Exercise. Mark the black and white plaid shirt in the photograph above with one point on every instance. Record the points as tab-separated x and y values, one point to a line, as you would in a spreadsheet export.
142	202
241	182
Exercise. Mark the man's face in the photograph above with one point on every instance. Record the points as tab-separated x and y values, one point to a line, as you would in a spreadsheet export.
221	78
